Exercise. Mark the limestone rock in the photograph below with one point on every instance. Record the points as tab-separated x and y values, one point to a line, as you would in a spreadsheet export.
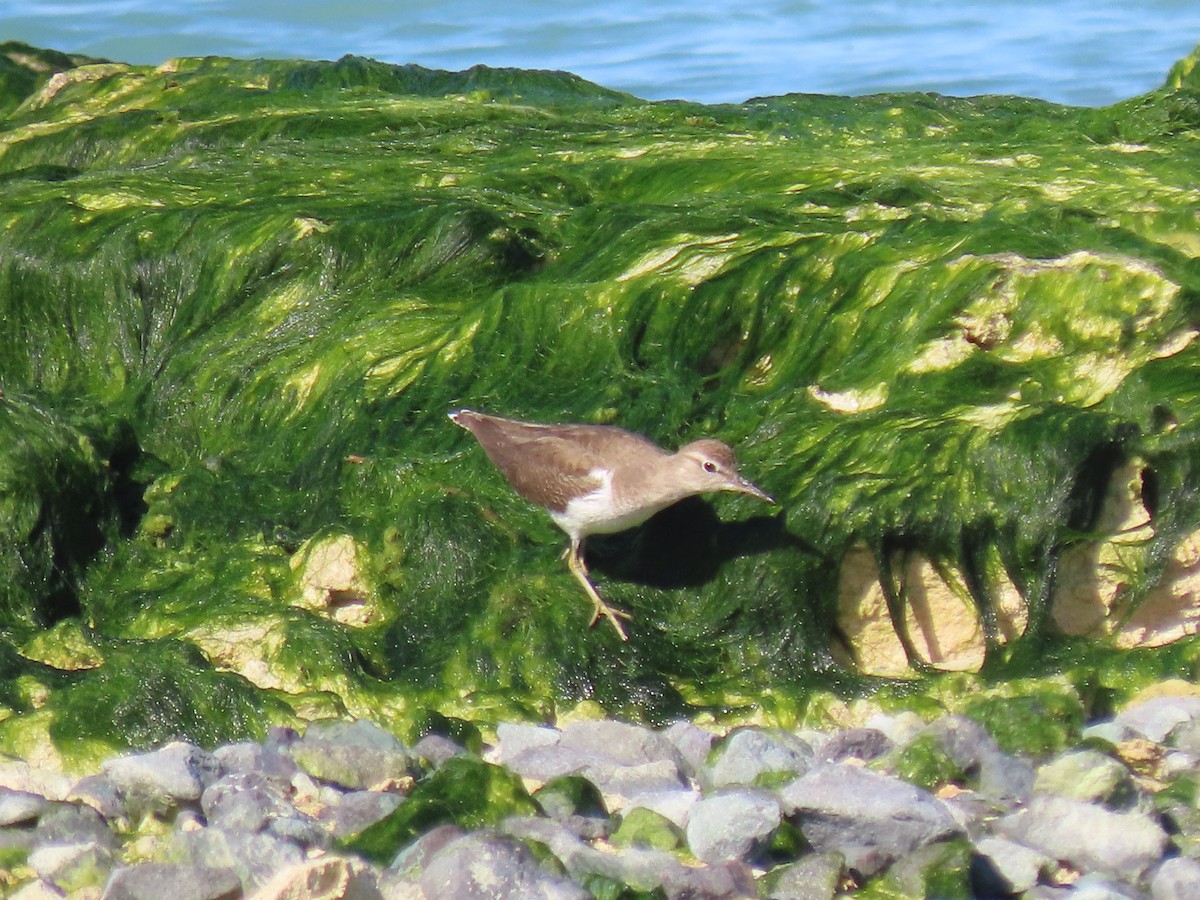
1172	608
940	616
330	878
331	582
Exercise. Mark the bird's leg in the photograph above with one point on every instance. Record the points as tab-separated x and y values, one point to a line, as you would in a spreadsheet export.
579	569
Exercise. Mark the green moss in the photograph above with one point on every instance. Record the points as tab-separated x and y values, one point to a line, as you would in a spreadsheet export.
462	791
240	297
1035	724
936	870
465	734
602	888
149	693
642	827
925	763
570	795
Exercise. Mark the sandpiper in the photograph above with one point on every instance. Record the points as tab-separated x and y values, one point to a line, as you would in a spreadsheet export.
600	479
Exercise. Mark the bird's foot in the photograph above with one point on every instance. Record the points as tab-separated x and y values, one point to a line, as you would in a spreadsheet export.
613	615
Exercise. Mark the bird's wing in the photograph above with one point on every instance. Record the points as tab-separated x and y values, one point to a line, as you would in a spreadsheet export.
548	470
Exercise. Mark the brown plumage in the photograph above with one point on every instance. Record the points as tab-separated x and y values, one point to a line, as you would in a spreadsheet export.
600	479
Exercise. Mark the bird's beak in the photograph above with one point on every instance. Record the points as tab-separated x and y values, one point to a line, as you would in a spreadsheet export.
742	486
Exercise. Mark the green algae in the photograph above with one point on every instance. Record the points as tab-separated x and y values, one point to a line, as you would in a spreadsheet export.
641	827
925	763
940	869
462	791
238	298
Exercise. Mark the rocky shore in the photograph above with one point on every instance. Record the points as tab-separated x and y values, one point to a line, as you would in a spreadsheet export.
899	807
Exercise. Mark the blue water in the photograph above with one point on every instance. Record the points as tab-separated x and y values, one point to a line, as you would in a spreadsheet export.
1071	51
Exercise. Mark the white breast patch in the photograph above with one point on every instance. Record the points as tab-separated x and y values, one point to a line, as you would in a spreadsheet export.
597	513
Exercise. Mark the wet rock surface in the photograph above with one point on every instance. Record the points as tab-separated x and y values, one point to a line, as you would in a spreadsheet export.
608	808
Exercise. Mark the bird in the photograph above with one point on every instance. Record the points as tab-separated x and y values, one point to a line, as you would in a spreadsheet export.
600	479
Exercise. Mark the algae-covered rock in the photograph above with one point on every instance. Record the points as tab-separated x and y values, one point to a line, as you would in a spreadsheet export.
463	791
238	298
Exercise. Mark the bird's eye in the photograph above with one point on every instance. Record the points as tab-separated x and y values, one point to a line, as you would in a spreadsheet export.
710	466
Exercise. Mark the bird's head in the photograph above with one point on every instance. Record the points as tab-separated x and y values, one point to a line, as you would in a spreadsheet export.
709	465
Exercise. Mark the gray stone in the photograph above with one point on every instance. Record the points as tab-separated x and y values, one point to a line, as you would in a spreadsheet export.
964	740
435	749
164	779
1176	879
871	819
395	886
159	881
15	843
693	745
1000	776
815	876
731	824
1099	887
1186	737
1005	778
900	728
867	744
412	858
20	807
619	784
1004	867
724	881
1109	732
358	810
67	823
72	867
1087	836
245	802
488	866
1179	762
928	869
1086	775
673	803
255	858
354	755
264	760
38	890
643	869
18	775
545	762
620	769
300	829
1155	719
970	810
749	754
620	743
99	792
514	738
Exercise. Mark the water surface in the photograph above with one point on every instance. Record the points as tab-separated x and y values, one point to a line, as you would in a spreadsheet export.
1069	51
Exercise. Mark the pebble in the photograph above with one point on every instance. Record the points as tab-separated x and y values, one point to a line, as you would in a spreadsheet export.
1087	836
732	824
677	812
751	754
870	818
